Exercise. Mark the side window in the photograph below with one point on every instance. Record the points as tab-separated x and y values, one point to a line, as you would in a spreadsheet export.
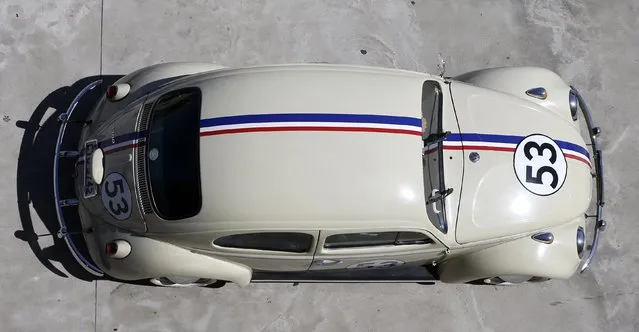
352	240
272	241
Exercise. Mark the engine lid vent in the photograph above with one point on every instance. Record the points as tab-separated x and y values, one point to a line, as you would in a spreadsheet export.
140	161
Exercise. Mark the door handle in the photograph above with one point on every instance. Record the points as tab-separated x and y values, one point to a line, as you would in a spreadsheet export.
326	262
434	206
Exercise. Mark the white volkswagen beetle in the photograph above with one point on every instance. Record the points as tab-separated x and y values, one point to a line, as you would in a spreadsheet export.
190	173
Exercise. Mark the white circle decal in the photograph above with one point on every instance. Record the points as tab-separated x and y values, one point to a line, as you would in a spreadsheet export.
116	196
540	165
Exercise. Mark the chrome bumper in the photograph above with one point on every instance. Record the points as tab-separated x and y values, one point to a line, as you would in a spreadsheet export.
71	202
600	224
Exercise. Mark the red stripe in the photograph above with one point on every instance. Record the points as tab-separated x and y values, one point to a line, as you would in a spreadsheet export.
478	147
128	146
583	160
310	128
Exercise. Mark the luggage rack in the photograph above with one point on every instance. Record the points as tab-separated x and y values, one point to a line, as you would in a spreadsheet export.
60	203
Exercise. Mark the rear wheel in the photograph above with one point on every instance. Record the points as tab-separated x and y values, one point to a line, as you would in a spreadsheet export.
510	280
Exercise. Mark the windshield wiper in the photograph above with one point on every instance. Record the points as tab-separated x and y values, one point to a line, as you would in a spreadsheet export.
435	138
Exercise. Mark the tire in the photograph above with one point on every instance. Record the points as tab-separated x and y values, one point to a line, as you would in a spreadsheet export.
182	282
509	280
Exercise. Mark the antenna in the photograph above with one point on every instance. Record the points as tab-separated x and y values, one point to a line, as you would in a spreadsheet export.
441	64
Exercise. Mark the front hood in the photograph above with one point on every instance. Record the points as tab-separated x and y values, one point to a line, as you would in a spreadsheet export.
526	168
114	136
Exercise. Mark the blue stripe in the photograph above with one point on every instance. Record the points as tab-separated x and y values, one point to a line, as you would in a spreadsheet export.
510	139
491	138
312	117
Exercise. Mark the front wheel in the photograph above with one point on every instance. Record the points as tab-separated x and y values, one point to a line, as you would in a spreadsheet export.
182	282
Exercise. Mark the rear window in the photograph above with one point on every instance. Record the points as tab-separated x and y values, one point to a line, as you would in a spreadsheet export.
272	241
351	240
173	154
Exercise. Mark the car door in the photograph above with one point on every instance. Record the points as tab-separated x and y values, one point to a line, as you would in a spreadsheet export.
374	248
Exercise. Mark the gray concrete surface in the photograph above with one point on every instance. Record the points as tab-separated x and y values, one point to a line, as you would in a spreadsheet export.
46	45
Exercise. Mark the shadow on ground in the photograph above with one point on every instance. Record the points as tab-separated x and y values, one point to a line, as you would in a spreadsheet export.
35	173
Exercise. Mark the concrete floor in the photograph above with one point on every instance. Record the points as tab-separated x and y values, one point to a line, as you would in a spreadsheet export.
47	45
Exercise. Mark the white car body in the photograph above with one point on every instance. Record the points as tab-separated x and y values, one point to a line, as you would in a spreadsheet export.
496	184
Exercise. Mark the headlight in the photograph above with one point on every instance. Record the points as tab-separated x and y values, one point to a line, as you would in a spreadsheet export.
581	241
574	105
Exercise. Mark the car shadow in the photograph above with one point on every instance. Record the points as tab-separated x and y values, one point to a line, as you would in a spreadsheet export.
35	174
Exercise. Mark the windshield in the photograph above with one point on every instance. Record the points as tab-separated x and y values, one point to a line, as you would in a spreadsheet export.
173	154
432	154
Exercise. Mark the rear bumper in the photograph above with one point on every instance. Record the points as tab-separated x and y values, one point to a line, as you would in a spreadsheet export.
600	224
61	203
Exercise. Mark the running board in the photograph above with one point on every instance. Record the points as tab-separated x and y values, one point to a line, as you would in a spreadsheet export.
412	274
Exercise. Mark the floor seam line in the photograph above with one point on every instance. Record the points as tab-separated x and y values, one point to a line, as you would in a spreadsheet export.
95	288
101	32
95	307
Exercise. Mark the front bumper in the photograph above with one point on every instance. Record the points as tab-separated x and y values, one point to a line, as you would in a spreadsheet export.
600	224
60	203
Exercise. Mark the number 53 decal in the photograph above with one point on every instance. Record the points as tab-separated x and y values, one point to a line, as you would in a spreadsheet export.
540	165
116	196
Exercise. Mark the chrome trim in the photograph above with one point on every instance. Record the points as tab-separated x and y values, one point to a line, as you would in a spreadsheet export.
142	125
325	262
474	157
574	105
539	93
546	237
60	203
600	224
581	241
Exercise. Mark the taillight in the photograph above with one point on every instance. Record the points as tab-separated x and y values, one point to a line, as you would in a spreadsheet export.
117	91
111	91
117	249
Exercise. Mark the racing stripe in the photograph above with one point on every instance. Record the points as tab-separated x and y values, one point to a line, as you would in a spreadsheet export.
508	143
123	142
311	122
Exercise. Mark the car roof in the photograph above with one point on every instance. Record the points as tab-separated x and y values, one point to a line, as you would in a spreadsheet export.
316	145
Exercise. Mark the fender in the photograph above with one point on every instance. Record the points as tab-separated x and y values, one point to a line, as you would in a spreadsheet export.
521	257
163	71
151	258
517	80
